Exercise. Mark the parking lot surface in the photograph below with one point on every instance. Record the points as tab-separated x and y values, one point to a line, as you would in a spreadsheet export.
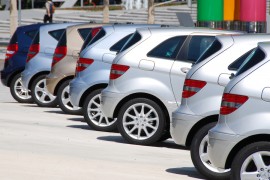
43	143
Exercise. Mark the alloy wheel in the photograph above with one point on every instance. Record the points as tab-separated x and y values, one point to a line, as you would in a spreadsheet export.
65	98
205	158
42	93
140	121
20	91
256	166
95	113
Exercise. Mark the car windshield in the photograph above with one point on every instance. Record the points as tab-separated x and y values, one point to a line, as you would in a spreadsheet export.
256	56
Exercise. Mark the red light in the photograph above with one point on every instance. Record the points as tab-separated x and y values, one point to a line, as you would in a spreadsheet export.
59	53
11	50
33	50
231	102
191	87
118	70
83	63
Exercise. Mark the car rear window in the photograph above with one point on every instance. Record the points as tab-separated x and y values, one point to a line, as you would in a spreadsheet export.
256	56
63	40
84	32
194	48
214	47
238	62
117	46
168	49
31	34
56	34
136	37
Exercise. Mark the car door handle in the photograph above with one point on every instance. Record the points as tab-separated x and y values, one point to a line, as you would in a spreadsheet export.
185	69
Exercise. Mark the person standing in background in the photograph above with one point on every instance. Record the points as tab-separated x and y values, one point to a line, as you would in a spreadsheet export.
49	11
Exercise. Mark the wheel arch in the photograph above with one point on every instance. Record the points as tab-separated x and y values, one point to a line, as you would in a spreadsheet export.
148	96
89	90
13	75
35	76
198	125
60	83
243	143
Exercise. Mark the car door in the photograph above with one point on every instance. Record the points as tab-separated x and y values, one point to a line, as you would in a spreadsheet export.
190	51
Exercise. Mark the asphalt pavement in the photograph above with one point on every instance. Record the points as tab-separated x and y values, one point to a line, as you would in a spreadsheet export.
44	143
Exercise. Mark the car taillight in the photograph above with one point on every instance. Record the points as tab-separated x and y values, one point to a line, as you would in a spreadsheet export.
33	50
83	63
191	87
59	53
11	50
118	70
231	102
95	31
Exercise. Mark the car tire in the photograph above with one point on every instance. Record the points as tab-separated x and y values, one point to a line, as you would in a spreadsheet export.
135	126
63	100
244	162
40	94
166	135
93	114
200	159
17	91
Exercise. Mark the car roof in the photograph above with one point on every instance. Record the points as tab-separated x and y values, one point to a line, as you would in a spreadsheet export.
50	27
70	28
184	30
127	27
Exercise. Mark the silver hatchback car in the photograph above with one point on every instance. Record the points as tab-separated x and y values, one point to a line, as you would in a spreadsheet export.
38	63
93	69
204	84
64	63
240	140
147	78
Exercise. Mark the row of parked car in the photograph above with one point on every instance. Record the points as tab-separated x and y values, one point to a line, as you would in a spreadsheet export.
207	89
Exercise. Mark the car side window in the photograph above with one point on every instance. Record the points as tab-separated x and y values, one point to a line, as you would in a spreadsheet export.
117	46
194	48
136	37
212	49
238	62
31	34
99	35
84	32
256	56
168	49
36	39
56	34
63	40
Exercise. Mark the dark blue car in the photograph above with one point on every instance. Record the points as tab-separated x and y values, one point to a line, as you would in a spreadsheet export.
15	61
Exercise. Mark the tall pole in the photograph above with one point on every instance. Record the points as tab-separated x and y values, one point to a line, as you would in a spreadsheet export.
81	3
20	12
151	9
106	11
13	16
32	4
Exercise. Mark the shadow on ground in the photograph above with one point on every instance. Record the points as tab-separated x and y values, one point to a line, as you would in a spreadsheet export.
189	171
86	127
77	119
56	112
167	144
